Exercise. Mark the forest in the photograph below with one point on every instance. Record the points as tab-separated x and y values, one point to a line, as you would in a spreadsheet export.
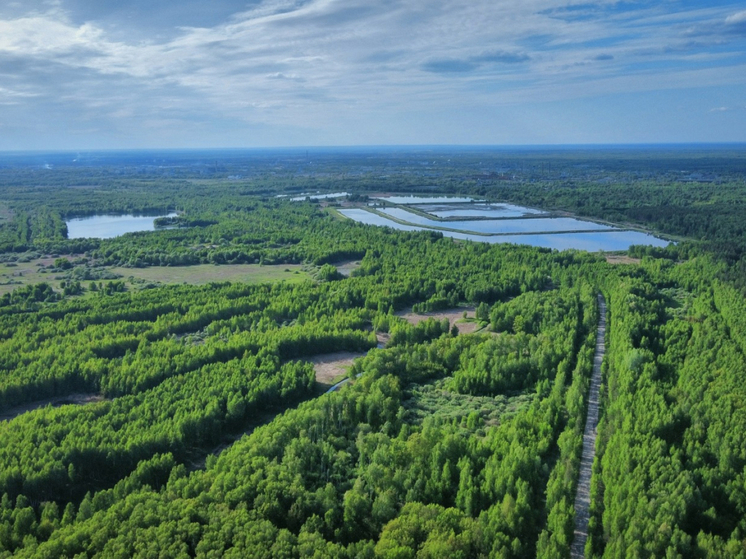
441	442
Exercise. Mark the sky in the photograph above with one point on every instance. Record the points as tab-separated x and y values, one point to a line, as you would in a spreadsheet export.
118	74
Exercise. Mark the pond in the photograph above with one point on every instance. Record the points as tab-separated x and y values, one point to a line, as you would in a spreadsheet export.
110	226
302	197
423	199
610	241
495	227
498	211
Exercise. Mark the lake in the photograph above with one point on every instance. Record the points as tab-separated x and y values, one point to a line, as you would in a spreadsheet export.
110	226
609	241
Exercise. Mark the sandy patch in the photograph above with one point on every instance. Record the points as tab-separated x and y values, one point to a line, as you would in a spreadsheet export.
332	365
346	268
621	259
453	315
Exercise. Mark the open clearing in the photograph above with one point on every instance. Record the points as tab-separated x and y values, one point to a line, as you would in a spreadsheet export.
435	399
77	399
346	268
453	315
26	273
330	366
205	273
621	259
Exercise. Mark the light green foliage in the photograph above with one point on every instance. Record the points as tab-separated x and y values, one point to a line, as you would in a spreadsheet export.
183	365
441	444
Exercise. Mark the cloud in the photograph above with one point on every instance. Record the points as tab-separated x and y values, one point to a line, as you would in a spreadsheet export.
727	109
13	97
281	76
310	63
736	23
736	19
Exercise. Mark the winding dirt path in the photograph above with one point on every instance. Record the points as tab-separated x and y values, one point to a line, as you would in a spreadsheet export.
583	497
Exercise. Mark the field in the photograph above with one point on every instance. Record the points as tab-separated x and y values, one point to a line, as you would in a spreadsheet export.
25	273
19	274
206	273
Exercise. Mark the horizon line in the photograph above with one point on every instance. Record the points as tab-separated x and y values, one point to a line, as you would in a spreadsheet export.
357	147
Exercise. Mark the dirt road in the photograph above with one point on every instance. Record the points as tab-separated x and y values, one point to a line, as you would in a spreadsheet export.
583	497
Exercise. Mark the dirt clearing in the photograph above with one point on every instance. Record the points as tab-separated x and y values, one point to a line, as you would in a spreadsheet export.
621	259
200	274
330	366
346	268
453	315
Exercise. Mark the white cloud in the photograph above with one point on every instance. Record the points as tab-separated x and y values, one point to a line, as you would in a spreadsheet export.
308	62
737	18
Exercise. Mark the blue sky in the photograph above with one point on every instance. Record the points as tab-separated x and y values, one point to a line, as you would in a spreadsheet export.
85	74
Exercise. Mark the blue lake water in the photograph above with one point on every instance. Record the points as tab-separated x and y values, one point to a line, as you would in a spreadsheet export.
302	197
477	210
612	240
110	226
608	241
423	199
539	225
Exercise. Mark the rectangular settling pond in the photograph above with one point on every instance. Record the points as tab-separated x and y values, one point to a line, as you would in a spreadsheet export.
608	240
496	227
497	211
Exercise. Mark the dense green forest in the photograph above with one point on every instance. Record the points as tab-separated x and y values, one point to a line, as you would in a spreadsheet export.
441	443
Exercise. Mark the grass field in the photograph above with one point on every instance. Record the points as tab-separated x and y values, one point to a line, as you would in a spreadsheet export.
205	273
13	276
26	273
621	259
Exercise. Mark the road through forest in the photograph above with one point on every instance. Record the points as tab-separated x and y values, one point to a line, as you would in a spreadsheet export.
583	497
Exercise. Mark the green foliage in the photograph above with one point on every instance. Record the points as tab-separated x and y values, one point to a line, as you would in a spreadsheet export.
671	460
327	272
438	445
182	366
25	298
